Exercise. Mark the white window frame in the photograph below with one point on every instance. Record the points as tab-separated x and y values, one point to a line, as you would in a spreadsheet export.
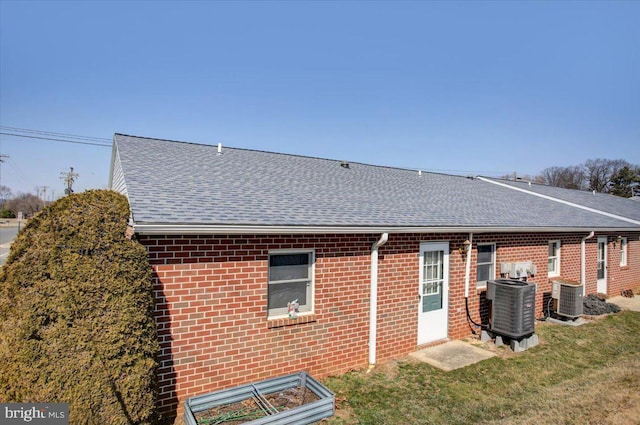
483	283
558	248
308	308
623	251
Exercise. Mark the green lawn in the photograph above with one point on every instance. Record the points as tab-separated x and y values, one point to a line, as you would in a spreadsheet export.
577	375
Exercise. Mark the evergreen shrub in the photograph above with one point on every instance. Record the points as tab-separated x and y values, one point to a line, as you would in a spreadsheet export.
4	213
76	314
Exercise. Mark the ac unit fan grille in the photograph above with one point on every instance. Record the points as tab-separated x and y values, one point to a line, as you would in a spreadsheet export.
570	301
512	308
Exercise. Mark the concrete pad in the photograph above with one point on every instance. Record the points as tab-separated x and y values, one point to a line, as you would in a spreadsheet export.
452	355
577	322
625	303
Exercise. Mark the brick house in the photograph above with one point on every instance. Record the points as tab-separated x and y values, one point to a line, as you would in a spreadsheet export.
234	236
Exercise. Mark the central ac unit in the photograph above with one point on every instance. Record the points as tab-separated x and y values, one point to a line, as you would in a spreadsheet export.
511	311
568	296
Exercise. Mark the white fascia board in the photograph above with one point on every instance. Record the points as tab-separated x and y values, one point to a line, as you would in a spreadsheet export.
561	201
204	229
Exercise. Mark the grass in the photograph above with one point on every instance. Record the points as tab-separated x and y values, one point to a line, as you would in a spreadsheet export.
577	375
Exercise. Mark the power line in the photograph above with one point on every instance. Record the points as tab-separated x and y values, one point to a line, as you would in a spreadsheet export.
25	180
50	133
57	140
96	141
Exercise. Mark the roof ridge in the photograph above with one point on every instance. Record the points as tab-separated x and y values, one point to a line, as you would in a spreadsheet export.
562	201
530	183
161	140
390	167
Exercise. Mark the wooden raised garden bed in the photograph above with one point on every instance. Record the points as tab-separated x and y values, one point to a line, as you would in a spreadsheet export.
291	399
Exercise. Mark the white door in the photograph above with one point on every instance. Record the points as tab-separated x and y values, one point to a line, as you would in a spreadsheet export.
601	286
433	292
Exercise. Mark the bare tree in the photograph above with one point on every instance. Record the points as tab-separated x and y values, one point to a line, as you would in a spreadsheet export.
601	171
552	176
27	203
523	177
567	177
5	194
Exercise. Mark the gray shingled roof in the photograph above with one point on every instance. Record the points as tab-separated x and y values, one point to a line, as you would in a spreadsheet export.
178	183
625	207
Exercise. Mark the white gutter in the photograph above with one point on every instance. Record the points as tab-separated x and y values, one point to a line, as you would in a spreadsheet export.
373	298
583	262
467	267
263	229
551	198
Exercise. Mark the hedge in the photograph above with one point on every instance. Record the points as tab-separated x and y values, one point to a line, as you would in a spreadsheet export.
76	314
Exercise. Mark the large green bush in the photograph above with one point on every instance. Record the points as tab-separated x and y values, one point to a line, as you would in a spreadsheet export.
76	314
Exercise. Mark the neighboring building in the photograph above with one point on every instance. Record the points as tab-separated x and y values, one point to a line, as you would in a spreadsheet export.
234	235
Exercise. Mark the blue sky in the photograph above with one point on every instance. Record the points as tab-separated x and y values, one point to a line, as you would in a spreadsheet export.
462	87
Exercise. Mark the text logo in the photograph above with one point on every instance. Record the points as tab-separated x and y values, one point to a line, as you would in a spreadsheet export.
35	413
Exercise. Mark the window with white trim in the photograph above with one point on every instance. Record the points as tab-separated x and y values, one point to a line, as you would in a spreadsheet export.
554	258
623	251
486	264
290	279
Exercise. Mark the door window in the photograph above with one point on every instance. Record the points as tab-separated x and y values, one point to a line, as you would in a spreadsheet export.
433	277
601	259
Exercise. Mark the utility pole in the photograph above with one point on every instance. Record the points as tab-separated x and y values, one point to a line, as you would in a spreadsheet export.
44	193
2	157
69	178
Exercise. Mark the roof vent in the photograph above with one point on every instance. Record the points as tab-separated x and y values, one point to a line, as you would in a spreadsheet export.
219	148
344	164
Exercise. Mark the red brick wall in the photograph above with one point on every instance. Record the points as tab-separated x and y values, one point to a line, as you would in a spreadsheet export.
619	277
211	302
211	295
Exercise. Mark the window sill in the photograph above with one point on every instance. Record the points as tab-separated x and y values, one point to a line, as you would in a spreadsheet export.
286	321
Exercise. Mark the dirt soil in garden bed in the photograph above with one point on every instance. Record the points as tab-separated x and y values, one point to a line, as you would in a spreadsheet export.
249	410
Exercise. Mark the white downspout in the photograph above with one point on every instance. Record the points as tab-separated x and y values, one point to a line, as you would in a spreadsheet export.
373	299
467	267
583	261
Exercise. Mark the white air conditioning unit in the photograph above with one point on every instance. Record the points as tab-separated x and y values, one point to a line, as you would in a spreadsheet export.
568	296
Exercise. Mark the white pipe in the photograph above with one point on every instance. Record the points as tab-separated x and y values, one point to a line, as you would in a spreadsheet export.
373	299
467	267
583	261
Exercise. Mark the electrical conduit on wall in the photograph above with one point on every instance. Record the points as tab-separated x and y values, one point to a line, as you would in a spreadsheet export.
373	298
467	278
467	267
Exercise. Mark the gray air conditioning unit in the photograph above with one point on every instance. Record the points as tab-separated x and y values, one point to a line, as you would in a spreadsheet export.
512	307
568	298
